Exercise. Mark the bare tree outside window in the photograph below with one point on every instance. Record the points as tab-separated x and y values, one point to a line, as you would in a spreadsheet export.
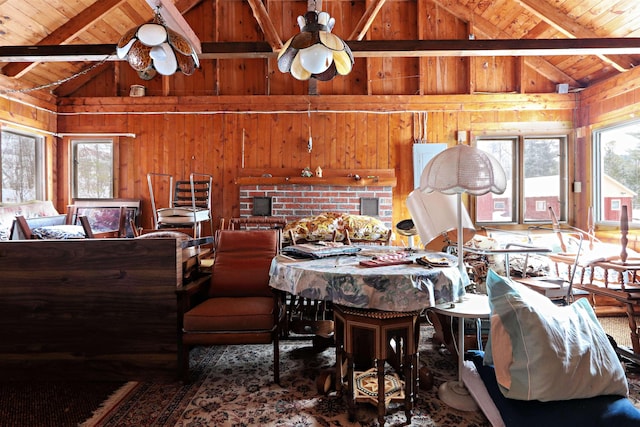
19	155
93	175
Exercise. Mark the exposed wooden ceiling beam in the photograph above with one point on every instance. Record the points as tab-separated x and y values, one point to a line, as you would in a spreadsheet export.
174	20
362	49
478	24
367	19
66	33
266	25
553	17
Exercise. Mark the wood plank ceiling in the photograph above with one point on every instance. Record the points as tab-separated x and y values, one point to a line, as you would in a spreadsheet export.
535	29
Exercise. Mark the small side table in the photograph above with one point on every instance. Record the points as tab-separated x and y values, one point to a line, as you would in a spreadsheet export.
392	337
472	306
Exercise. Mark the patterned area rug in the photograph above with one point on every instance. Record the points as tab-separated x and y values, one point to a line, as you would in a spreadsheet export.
232	386
54	403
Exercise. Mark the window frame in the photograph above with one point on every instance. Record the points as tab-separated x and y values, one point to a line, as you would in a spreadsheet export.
517	176
40	172
596	175
74	143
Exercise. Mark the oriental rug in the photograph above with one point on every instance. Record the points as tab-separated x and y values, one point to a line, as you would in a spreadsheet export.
233	386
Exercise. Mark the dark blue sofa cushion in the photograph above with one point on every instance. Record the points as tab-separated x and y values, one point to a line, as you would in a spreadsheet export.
599	411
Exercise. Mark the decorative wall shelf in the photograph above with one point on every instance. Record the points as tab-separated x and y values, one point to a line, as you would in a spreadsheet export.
336	177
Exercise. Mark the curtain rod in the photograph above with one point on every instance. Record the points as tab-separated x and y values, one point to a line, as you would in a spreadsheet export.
129	135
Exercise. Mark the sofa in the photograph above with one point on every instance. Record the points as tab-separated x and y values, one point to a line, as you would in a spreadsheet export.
339	227
31	209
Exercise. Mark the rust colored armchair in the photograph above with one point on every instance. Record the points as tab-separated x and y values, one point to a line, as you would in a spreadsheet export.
237	305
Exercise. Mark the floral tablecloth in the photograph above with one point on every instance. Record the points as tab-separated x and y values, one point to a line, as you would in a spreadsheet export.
342	280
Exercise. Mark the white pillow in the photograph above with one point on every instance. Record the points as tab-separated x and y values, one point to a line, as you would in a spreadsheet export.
542	351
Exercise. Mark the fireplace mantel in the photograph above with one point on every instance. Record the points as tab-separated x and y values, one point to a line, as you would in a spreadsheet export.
333	177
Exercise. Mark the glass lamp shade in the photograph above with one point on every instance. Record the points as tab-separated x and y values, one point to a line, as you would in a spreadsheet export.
316	59
463	169
154	48
435	216
315	51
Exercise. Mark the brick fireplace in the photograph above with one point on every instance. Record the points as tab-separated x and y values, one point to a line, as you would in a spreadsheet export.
294	201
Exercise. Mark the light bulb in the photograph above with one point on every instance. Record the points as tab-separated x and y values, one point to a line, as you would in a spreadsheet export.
157	53
316	59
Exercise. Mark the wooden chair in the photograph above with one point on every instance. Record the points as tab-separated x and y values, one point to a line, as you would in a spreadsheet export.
51	227
74	216
236	305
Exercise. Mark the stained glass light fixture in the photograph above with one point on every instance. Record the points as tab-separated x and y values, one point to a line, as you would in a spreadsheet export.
315	52
153	48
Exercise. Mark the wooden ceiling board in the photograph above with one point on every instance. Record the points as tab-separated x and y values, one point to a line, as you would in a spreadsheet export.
607	21
30	22
19	27
129	15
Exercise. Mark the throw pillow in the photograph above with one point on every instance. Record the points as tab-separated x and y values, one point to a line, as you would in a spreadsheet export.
542	351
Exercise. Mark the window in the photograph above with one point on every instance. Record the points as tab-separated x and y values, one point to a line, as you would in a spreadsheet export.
22	164
93	169
616	168
536	169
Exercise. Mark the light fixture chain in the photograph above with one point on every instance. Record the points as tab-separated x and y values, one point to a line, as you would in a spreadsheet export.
57	82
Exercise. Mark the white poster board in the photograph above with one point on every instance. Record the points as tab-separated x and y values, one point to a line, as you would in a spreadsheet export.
422	153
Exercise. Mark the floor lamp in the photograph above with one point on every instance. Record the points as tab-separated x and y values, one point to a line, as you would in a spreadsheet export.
456	170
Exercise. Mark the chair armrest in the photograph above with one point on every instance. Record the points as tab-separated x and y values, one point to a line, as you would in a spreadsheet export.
186	293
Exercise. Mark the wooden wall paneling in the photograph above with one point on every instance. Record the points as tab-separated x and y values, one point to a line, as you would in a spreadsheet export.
197	138
347	14
395	76
54	153
450	127
328	141
401	159
360	141
203	20
452	71
240	76
262	140
383	140
337	142
27	111
534	82
62	156
350	141
231	134
278	144
284	16
139	162
296	139
126	179
367	150
324	137
213	155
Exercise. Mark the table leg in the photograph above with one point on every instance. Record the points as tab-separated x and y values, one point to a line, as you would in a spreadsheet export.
635	339
382	409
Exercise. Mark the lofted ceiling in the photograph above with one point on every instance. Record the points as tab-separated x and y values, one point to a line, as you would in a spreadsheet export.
43	43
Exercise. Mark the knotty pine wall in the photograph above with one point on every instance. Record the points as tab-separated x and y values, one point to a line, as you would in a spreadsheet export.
222	135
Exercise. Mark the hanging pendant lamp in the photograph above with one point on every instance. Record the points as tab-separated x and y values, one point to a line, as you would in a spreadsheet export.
315	52
153	48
